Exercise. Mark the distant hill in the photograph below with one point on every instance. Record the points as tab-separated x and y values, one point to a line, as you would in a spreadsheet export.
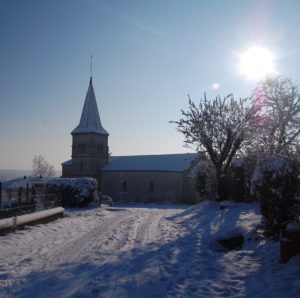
12	174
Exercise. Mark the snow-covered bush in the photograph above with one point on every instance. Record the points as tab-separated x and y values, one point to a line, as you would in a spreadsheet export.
240	181
274	184
201	181
74	192
204	178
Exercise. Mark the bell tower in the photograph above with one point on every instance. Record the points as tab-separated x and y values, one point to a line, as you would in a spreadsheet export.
90	140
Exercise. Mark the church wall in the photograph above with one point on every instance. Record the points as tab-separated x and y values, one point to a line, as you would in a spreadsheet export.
90	143
86	166
67	170
89	154
143	186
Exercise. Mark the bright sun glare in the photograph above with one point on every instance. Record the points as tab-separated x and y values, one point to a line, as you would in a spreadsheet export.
256	62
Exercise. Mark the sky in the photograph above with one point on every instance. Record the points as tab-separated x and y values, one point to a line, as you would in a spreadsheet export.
147	57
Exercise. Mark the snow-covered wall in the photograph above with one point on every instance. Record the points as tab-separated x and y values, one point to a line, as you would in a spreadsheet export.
10	224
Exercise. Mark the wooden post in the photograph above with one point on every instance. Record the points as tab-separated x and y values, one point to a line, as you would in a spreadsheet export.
20	190
0	194
33	193
45	200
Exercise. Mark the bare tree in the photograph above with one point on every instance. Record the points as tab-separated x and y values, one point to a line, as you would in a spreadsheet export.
280	101
41	167
217	127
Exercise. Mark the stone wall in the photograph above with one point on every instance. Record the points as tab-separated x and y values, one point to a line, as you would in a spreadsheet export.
89	155
144	186
67	170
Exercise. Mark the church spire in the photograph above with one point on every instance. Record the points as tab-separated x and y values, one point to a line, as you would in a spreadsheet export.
90	119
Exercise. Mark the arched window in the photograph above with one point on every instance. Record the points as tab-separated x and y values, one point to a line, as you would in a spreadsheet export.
124	185
151	186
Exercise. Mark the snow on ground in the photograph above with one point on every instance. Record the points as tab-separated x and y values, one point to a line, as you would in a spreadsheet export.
145	250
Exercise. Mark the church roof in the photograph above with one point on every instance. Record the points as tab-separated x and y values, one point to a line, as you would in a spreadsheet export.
67	163
162	162
90	119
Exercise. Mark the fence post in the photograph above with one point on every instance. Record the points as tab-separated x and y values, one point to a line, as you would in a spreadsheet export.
0	194
46	193
27	192
33	193
20	190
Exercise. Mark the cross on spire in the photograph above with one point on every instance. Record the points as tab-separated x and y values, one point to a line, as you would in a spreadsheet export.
91	65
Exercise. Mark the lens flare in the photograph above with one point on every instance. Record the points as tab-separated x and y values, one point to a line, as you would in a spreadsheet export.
215	86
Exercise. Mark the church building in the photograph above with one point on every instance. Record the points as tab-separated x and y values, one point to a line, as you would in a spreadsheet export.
131	178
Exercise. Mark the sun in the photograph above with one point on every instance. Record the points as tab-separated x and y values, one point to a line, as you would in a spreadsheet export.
256	63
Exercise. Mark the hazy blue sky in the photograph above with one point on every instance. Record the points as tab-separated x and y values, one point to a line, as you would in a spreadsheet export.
148	55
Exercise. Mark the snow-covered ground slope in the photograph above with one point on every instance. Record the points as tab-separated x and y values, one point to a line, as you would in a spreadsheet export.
145	250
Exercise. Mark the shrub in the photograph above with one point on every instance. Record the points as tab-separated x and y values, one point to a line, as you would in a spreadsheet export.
201	183
204	180
274	183
74	192
240	181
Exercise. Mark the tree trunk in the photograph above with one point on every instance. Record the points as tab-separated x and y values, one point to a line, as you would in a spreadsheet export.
222	186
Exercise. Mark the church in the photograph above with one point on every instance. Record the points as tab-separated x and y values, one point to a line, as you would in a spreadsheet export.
146	178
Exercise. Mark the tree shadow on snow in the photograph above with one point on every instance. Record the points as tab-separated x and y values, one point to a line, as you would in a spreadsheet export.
181	266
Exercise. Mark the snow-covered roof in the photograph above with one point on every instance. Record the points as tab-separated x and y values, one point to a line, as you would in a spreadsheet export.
67	163
90	119
163	162
23	181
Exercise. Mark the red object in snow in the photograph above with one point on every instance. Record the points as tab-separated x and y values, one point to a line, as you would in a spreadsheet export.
290	245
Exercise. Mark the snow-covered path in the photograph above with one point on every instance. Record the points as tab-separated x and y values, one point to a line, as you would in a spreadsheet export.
105	251
145	250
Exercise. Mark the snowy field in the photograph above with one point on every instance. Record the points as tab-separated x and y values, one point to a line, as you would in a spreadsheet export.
145	250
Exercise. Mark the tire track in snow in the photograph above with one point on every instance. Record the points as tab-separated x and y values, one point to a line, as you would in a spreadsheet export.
141	263
93	252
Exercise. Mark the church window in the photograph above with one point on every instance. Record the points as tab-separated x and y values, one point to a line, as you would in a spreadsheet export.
151	186
81	167
81	148
124	185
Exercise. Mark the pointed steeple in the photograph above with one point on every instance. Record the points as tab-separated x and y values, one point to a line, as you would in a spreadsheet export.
90	119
